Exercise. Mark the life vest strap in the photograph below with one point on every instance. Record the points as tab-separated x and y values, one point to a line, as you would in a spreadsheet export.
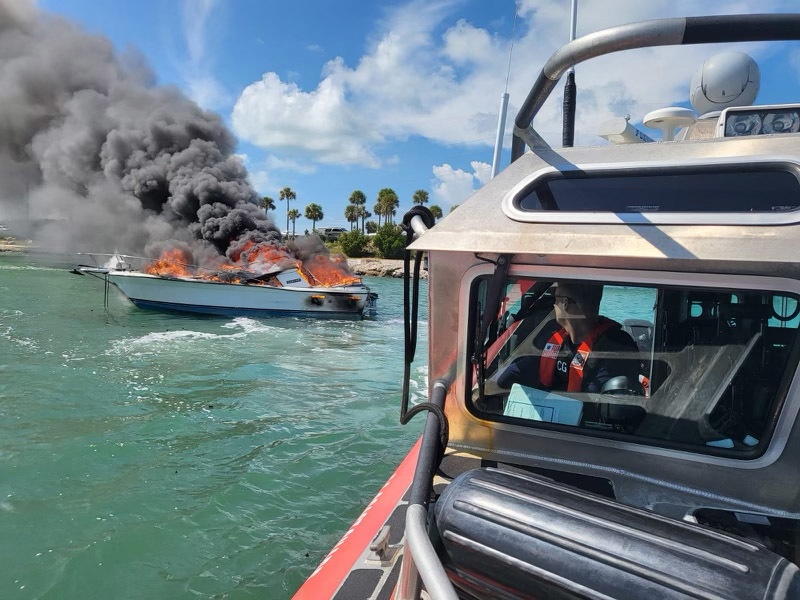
548	363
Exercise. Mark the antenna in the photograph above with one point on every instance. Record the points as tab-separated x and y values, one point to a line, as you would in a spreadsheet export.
668	120
570	90
501	120
618	130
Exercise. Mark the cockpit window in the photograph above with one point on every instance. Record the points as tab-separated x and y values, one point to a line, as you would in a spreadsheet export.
760	189
700	369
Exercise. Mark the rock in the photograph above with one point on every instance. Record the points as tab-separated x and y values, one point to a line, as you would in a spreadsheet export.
380	267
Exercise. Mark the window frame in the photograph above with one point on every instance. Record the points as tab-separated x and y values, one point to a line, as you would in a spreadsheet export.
782	415
511	201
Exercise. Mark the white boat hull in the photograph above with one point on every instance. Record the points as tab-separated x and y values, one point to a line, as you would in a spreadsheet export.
219	298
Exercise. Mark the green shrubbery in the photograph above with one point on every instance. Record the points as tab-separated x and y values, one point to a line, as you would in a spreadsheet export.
389	241
353	244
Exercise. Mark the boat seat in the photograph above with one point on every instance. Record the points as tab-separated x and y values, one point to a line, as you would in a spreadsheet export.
512	535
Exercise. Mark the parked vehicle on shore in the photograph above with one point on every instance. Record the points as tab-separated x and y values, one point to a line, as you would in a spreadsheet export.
330	234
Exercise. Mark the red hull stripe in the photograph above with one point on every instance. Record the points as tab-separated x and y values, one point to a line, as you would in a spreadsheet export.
335	567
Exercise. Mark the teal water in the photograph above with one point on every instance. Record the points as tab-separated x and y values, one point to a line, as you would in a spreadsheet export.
148	455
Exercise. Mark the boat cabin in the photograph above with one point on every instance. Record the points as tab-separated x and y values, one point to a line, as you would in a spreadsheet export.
656	455
614	340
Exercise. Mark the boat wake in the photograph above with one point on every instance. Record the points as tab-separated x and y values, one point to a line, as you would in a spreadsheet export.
159	341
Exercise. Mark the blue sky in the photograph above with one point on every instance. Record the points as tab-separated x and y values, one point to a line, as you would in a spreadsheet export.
328	97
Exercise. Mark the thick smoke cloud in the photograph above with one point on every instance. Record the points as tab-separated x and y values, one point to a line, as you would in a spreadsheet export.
100	159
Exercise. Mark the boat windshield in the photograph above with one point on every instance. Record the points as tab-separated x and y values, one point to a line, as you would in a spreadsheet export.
703	369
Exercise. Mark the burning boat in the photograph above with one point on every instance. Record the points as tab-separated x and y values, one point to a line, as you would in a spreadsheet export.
318	287
660	465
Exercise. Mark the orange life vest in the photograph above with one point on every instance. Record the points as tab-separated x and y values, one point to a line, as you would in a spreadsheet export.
548	363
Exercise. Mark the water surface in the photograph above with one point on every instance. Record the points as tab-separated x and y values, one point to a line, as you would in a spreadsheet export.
153	455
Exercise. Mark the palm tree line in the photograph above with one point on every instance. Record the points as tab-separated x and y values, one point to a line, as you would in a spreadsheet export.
356	212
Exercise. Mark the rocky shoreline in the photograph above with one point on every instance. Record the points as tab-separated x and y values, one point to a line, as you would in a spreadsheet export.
379	267
12	245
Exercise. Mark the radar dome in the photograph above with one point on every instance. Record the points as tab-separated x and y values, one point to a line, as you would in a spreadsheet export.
726	79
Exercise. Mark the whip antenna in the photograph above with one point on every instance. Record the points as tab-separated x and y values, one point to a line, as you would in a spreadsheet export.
501	121
570	90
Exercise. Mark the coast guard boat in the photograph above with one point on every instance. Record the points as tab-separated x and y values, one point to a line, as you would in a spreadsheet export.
171	285
681	482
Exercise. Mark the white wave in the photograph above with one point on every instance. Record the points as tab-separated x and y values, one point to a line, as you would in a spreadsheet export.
27	268
160	339
156	341
248	325
8	334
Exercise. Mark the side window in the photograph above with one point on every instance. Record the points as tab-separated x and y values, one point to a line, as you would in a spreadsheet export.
701	369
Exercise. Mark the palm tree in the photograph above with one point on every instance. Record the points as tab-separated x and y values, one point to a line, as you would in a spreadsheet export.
351	214
291	216
364	214
314	212
437	211
389	202
452	208
267	204
378	208
420	197
358	199
288	194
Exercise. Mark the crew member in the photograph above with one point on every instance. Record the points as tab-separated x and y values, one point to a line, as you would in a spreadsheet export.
584	351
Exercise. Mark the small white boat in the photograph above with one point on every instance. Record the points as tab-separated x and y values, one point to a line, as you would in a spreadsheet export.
282	293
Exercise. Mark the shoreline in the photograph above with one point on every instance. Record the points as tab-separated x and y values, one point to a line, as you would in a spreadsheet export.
380	267
12	245
364	267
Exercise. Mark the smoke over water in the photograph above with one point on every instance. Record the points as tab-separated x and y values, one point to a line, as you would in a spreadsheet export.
99	159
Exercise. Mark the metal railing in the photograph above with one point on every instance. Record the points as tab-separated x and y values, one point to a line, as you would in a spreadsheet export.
645	34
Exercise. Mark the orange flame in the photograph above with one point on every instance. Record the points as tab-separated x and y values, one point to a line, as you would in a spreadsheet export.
319	270
171	263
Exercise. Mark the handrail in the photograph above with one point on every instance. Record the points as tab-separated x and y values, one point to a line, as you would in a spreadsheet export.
421	559
644	34
430	568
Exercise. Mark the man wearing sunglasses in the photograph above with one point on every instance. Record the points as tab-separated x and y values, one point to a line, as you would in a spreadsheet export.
582	352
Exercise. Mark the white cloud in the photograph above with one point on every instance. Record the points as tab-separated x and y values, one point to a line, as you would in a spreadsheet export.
262	174
207	91
277	115
201	85
483	171
275	164
414	81
453	186
261	181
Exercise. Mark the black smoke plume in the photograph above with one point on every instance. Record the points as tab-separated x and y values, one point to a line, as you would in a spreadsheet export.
99	159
